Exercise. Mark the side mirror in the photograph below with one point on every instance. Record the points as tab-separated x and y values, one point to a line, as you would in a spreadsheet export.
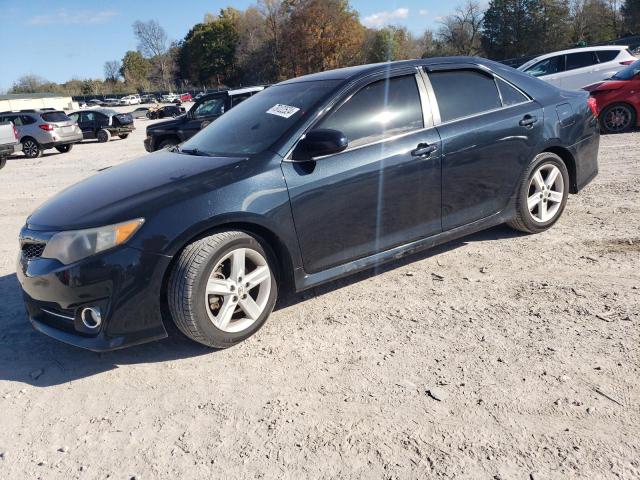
320	142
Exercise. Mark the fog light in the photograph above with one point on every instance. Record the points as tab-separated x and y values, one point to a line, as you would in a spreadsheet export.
91	317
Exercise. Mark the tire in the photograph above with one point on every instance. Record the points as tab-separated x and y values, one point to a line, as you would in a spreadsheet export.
219	320
617	118
3	162
64	148
123	136
103	136
31	148
168	143
538	209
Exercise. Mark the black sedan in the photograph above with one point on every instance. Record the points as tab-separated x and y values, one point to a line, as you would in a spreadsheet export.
166	111
305	182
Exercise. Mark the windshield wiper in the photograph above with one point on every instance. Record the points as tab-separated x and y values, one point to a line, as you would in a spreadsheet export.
192	151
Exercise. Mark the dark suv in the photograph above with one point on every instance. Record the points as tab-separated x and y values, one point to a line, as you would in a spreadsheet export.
201	114
103	123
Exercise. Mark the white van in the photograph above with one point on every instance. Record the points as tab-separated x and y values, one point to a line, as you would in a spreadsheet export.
579	67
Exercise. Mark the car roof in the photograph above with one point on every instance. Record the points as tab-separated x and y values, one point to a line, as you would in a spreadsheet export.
578	50
240	91
349	73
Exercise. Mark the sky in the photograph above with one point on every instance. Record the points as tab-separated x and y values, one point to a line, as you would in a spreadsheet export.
60	40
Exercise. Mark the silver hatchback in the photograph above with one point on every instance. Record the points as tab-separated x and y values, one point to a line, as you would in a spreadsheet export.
40	130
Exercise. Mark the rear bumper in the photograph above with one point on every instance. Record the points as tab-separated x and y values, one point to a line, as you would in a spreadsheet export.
69	139
585	154
124	283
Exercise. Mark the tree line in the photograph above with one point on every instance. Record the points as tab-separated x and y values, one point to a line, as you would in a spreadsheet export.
278	39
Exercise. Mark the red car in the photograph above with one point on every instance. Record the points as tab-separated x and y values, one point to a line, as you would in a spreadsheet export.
185	97
617	100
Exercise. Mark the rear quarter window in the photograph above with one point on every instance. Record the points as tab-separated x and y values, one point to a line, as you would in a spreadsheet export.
607	55
510	95
462	93
55	117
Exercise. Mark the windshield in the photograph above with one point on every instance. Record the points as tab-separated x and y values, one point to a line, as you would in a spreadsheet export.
258	122
628	73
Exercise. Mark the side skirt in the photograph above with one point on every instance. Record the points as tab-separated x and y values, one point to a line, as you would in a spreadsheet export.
305	280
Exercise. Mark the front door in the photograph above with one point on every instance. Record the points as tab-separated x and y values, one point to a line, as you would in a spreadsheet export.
382	191
87	124
490	131
202	114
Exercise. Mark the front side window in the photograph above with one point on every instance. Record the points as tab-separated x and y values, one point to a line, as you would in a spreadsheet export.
380	110
209	108
88	116
548	66
462	93
581	60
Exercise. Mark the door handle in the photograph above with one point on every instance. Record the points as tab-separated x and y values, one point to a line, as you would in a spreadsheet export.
424	150
528	121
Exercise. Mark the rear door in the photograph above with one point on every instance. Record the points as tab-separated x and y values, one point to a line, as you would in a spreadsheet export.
580	70
383	190
490	131
87	124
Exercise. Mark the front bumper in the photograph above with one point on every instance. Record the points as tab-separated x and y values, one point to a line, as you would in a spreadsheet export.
124	283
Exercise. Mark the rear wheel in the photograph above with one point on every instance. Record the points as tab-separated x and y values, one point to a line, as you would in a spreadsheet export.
64	148
124	135
222	288
542	194
31	148
618	118
3	162
103	136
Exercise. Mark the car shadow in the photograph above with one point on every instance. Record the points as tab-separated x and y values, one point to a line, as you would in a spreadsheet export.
32	358
29	357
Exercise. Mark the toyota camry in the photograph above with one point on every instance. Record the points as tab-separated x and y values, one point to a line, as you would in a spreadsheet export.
310	180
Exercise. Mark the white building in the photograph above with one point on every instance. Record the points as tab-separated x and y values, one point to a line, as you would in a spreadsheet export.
25	101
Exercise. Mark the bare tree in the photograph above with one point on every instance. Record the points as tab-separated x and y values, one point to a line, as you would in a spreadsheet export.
153	43
112	70
462	30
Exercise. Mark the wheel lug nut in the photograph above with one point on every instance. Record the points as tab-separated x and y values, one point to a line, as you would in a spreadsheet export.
244	296
235	299
232	287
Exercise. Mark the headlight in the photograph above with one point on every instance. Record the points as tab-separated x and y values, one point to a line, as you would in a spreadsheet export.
69	247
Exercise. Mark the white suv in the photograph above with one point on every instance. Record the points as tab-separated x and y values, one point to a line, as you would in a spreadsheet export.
579	67
130	100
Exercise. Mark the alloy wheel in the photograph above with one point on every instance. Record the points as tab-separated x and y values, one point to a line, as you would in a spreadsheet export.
617	119
238	290
546	192
30	148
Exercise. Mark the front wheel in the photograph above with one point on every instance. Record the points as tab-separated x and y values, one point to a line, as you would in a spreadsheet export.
222	288
542	194
617	118
64	148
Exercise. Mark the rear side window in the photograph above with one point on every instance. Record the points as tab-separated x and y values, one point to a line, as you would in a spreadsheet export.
607	55
547	66
27	120
581	60
55	117
380	110
510	95
461	93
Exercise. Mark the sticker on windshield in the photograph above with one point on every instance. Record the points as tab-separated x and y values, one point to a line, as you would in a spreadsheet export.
282	110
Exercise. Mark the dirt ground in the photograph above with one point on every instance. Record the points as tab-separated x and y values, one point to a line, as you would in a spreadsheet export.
499	356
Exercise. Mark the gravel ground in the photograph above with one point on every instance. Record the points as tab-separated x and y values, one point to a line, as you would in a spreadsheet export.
497	356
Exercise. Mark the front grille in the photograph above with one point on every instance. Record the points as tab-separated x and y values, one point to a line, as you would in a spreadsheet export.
33	250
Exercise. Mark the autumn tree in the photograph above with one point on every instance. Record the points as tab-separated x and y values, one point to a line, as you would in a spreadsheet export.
153	43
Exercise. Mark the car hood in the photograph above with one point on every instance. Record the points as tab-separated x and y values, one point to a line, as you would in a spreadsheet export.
132	190
167	123
605	85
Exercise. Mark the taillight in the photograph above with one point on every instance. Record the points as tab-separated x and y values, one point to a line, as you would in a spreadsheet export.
46	126
15	132
593	105
627	62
